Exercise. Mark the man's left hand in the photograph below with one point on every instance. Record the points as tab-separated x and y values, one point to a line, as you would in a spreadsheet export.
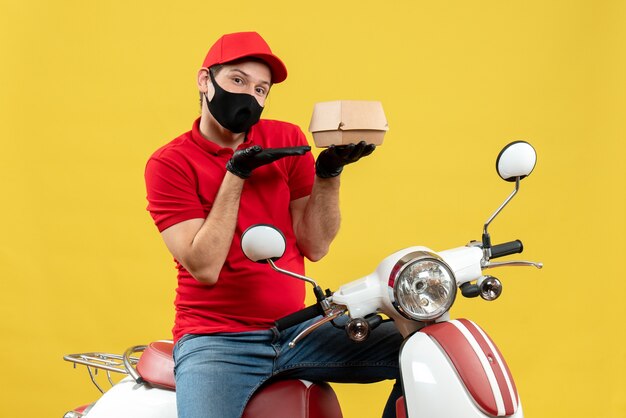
330	162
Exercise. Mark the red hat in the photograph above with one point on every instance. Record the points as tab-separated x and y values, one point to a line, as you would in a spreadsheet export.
233	46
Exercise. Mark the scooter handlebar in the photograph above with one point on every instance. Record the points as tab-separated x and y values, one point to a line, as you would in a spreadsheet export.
507	248
298	317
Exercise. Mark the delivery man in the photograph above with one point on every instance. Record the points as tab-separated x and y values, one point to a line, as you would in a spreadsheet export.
207	186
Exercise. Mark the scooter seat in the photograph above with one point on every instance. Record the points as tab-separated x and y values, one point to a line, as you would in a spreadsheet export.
294	399
156	364
278	399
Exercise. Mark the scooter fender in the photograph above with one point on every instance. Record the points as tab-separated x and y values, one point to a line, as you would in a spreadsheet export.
128	399
453	369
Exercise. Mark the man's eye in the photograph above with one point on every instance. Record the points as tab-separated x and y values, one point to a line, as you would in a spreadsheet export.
237	80
260	91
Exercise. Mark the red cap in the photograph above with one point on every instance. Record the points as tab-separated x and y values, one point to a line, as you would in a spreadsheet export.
238	45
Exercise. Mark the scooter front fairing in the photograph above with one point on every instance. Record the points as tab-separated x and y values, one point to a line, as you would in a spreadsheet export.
453	369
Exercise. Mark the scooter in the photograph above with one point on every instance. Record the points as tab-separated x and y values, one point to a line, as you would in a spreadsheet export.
449	367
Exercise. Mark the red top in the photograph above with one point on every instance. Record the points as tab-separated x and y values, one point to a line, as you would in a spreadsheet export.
182	180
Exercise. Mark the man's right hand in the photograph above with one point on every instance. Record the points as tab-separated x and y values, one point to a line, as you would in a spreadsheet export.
244	161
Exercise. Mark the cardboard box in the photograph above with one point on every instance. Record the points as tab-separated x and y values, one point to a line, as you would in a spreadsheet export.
348	122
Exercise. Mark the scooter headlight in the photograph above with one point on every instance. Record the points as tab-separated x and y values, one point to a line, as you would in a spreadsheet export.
422	286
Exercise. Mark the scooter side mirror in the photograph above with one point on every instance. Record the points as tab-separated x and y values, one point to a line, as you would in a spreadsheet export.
263	242
517	159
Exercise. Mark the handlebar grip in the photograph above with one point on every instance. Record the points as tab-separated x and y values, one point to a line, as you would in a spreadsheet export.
508	248
298	317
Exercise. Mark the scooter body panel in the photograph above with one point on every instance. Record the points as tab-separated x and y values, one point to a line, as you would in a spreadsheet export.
128	399
433	387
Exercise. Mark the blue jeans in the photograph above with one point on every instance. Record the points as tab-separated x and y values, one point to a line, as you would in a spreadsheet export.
217	374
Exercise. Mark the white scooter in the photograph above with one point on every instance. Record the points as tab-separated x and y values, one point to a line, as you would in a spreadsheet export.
449	368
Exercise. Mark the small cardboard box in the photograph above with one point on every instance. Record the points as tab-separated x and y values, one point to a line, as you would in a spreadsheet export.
348	122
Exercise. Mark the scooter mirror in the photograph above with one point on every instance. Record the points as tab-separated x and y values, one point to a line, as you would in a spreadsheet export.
517	159
262	242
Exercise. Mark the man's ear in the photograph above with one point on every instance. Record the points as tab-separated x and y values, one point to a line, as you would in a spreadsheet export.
204	83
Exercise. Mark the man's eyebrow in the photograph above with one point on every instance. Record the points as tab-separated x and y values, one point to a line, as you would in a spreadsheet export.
248	75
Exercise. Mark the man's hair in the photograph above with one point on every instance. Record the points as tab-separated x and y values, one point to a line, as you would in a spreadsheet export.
215	69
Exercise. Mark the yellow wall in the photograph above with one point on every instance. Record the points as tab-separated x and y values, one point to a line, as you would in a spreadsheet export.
89	89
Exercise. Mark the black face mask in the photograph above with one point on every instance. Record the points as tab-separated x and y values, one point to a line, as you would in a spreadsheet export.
236	112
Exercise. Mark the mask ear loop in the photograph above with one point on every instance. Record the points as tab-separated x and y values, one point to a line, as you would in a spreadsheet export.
211	76
212	82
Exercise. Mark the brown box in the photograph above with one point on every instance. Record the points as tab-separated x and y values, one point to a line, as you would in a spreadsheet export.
348	122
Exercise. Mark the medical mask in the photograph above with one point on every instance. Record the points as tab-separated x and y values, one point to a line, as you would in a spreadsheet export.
236	112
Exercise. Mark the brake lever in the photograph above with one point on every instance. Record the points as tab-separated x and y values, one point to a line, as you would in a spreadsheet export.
512	263
335	312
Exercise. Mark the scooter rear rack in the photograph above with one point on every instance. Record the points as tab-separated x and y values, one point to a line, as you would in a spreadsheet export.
111	363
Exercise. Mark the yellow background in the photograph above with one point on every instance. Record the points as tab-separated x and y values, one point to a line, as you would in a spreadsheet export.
90	89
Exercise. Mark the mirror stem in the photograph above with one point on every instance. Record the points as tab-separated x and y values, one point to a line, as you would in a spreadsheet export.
289	273
486	238
319	293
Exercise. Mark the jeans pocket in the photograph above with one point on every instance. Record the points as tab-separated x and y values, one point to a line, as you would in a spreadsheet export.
181	341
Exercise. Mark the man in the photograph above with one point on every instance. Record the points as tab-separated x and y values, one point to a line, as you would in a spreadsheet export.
233	170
